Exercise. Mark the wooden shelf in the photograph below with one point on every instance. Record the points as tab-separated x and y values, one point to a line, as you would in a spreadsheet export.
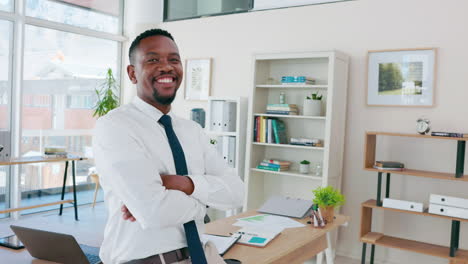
292	116
415	246
290	173
373	204
289	86
421	173
286	146
413	135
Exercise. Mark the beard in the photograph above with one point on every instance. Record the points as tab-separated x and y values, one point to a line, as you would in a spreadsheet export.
164	100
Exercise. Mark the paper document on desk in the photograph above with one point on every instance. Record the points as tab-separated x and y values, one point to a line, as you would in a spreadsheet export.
222	243
273	221
258	236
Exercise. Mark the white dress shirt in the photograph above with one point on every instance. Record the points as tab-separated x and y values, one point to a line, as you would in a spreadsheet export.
131	152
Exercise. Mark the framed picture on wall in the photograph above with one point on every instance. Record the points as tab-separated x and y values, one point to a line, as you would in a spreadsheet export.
404	77
197	79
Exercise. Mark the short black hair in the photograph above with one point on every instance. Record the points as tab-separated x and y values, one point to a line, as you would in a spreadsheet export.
146	34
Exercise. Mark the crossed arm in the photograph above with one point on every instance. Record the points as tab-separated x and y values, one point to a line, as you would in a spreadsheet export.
171	182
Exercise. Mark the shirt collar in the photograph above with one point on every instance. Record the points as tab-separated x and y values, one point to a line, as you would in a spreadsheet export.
149	110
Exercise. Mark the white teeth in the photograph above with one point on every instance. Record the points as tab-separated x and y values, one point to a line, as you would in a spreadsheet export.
164	80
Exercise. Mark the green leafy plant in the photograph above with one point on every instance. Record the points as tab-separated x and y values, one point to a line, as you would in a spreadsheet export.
328	196
213	141
315	96
107	95
306	162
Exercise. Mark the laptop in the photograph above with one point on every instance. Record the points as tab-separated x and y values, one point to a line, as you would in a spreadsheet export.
56	247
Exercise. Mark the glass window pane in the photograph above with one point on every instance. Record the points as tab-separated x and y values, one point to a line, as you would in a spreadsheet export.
180	9
5	86
6	5
60	78
101	15
5	52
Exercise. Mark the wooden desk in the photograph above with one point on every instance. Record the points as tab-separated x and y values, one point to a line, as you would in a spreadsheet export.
293	245
41	159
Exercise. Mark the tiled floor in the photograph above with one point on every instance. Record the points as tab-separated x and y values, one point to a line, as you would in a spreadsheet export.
89	230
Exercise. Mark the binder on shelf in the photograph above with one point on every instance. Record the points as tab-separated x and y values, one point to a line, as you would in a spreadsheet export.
216	115
232	152
448	201
448	211
226	149
228	121
403	205
219	145
270	131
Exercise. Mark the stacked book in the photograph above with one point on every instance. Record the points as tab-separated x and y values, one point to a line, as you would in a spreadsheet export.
282	109
313	142
449	134
297	80
269	130
389	165
274	165
55	152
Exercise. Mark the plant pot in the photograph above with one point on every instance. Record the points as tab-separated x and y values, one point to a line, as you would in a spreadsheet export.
304	168
328	213
312	107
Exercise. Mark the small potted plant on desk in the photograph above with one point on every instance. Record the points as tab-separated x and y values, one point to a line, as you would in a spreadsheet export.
107	98
304	166
313	105
327	199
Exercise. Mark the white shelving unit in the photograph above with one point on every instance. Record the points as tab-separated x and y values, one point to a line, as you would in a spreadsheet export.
330	69
238	132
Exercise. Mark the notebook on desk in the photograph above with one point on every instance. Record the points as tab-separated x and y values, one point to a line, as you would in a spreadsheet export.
291	207
256	236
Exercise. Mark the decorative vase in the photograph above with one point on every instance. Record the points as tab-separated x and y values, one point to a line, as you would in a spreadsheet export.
312	107
328	213
304	168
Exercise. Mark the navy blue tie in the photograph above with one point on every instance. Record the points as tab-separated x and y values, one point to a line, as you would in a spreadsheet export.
193	240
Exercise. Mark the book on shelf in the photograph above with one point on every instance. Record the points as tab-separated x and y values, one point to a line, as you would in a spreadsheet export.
269	130
280	162
271	168
312	142
389	164
278	112
449	134
55	156
272	165
387	168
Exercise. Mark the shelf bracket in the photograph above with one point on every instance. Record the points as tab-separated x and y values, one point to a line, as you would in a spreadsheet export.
379	189
460	158
454	237
387	191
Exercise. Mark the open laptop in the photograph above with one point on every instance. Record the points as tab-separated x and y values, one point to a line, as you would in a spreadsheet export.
61	248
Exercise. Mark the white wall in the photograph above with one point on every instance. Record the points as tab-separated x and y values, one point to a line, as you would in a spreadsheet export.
354	28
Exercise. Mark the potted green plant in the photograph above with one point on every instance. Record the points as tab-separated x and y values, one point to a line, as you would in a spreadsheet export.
327	199
107	98
304	166
313	105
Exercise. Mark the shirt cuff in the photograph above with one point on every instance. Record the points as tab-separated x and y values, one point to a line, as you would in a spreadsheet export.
201	188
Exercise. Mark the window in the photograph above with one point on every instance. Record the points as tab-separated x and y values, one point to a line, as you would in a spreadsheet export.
64	49
100	15
60	78
5	87
6	5
183	9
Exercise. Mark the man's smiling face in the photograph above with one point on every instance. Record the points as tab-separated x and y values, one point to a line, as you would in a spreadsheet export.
157	71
